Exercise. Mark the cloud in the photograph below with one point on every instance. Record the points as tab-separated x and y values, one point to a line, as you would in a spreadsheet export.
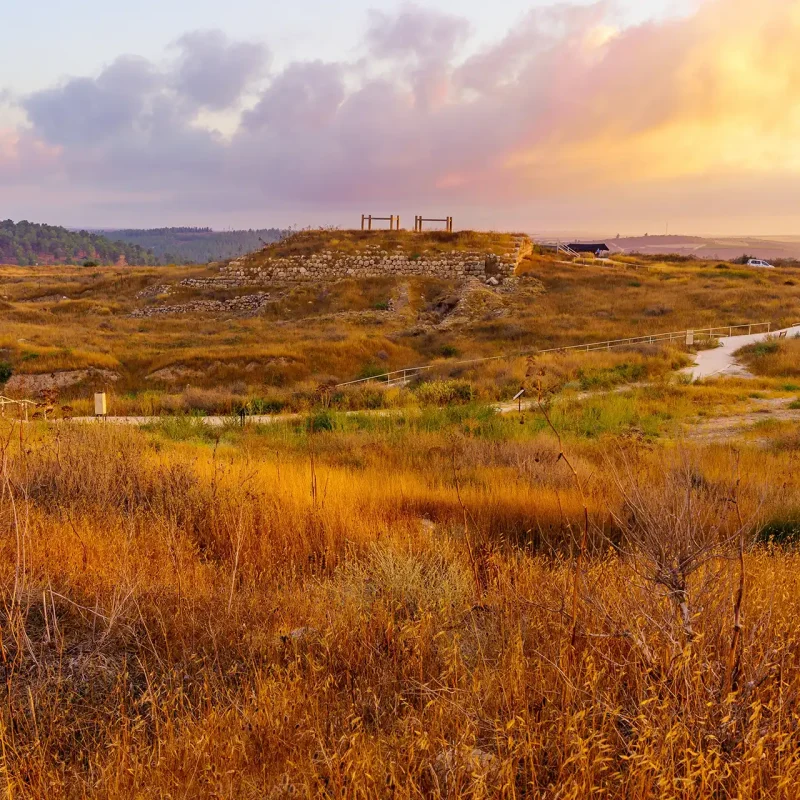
564	105
214	72
24	159
303	96
89	110
425	35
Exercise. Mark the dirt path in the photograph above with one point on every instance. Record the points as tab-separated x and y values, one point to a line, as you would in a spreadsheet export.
721	360
722	429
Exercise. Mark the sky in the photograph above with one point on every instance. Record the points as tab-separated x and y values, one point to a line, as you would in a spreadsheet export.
626	116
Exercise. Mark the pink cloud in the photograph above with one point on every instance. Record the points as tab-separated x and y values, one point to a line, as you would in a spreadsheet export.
562	105
24	157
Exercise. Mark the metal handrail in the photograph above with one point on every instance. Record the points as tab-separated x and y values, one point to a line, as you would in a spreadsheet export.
402	375
10	401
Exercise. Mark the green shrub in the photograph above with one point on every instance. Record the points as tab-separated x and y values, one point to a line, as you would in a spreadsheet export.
323	421
612	376
448	351
371	370
765	348
445	393
262	405
5	372
781	530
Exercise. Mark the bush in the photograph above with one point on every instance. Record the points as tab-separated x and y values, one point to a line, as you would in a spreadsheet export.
262	405
371	370
444	393
782	530
319	422
5	372
448	351
607	378
765	348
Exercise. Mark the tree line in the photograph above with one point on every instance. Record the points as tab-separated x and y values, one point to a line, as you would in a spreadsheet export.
28	244
197	245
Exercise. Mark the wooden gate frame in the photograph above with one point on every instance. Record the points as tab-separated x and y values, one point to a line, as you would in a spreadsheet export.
419	221
367	220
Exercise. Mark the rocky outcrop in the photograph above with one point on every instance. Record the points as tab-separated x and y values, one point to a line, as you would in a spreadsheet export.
158	290
30	385
244	305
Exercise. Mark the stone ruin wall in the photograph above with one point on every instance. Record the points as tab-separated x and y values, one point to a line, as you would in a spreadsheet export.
374	262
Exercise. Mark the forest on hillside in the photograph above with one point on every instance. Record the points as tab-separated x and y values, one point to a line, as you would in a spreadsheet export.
28	244
196	245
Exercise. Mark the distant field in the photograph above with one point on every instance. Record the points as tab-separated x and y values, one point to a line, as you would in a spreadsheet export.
770	248
71	319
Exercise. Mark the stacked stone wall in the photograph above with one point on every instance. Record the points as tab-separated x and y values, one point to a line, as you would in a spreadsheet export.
374	262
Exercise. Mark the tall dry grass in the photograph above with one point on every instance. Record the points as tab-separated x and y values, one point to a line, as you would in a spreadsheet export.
390	615
774	358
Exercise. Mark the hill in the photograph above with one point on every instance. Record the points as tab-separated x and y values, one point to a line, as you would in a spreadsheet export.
27	244
728	248
196	245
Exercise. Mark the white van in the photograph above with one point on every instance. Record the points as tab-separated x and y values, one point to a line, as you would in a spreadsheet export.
757	262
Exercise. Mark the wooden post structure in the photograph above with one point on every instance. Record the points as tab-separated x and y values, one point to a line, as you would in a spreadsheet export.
368	219
419	223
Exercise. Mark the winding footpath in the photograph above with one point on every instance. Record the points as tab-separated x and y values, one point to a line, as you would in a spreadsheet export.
722	361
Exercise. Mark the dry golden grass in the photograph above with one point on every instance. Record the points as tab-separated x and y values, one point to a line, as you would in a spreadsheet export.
316	334
388	609
354	241
432	602
775	358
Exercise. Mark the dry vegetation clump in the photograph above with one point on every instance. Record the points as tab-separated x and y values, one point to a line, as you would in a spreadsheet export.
374	608
354	241
774	358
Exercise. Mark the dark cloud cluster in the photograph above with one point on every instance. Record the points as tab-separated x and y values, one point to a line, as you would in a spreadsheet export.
564	100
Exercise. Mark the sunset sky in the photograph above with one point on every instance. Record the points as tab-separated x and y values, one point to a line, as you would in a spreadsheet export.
601	117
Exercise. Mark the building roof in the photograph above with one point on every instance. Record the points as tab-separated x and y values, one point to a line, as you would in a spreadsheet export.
589	247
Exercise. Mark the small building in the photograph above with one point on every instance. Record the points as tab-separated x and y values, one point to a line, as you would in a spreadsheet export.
597	249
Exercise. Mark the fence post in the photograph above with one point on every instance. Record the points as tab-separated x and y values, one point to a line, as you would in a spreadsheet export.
362	222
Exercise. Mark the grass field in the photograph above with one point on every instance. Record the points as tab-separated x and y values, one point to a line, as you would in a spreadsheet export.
401	592
445	603
79	319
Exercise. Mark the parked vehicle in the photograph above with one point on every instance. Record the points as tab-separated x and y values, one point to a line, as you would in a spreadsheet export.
757	262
